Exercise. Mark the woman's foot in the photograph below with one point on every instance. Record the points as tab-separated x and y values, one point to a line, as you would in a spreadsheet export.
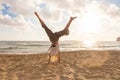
72	18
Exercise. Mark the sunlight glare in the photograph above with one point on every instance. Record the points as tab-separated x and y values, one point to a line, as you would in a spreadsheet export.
91	21
89	43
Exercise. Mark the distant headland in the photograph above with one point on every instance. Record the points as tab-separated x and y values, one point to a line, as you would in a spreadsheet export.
118	38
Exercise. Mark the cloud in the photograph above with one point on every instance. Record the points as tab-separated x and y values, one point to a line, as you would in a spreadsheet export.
69	6
1	7
17	22
20	7
110	10
57	13
111	13
110	17
55	10
15	16
52	9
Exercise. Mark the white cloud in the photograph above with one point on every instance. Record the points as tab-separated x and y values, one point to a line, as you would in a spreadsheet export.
17	22
53	10
26	7
111	14
1	7
57	13
110	17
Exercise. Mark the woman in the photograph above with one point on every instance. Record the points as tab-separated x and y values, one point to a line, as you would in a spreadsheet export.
54	37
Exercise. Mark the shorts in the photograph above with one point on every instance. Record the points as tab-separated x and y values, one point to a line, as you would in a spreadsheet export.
54	50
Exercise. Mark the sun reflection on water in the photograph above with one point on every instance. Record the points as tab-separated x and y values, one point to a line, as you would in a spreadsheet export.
89	43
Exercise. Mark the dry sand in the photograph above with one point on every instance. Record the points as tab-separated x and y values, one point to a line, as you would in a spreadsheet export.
75	65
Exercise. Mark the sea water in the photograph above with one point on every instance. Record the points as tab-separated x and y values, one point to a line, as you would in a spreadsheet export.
28	47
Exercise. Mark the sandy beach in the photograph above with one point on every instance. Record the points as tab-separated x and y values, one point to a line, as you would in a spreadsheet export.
75	65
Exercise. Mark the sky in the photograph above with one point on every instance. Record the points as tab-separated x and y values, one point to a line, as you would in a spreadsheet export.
97	20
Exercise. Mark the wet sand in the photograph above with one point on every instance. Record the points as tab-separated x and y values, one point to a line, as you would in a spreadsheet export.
75	65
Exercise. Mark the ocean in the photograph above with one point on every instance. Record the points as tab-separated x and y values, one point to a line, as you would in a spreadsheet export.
28	47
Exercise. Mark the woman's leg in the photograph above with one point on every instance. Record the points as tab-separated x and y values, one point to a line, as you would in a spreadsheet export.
68	24
48	31
65	30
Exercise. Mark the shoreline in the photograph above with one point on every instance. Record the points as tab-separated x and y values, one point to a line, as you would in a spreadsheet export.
6	53
62	52
75	65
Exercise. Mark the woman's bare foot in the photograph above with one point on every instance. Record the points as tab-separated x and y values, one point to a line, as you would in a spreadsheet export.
72	18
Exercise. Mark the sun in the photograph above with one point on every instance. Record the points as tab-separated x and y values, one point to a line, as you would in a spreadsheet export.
91	21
